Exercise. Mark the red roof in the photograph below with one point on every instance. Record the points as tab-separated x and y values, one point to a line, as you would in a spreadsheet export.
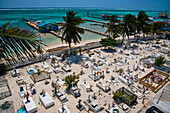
161	22
105	16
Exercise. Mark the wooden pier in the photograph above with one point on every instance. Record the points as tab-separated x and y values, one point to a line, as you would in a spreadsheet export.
99	33
95	21
35	26
86	29
55	33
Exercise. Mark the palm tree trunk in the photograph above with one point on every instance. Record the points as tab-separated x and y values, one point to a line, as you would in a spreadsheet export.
123	38
69	50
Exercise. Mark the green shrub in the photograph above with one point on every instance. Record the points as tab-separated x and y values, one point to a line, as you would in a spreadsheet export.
80	49
159	61
117	95
75	52
131	96
121	70
38	70
3	68
108	42
69	80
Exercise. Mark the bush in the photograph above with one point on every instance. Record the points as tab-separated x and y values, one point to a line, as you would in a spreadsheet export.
75	52
159	61
80	49
131	96
121	70
38	70
69	80
108	42
117	95
3	68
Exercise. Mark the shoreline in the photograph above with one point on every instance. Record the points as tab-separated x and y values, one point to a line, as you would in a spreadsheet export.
54	45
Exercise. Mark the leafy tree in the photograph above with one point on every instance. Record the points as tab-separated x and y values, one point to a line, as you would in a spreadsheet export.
128	26
71	80
16	44
112	27
70	29
108	42
156	26
142	22
159	61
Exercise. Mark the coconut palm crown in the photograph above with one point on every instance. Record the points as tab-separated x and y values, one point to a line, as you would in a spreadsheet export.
17	44
71	30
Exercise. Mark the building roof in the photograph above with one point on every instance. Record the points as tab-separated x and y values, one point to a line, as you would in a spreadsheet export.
162	99
163	14
166	28
43	24
105	16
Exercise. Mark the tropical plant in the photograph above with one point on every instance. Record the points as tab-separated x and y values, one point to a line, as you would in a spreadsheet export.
3	68
117	95
38	70
71	80
75	52
71	30
112	27
17	44
80	50
121	70
156	26
108	42
128	26
142	22
159	61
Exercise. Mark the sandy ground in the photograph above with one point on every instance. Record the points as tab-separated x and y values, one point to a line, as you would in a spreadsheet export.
71	104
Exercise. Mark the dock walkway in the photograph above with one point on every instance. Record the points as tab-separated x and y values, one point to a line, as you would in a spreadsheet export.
99	33
95	21
35	26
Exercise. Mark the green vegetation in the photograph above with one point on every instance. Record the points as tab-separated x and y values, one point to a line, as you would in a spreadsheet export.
121	70
159	61
108	42
71	30
128	26
131	25
38	70
112	27
80	50
75	52
71	80
131	96
117	95
3	68
17	44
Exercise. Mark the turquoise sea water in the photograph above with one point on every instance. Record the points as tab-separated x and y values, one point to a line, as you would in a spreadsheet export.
56	15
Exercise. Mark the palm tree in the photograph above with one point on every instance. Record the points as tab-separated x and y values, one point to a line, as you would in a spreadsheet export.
128	26
142	23
112	27
71	80
17	44
71	30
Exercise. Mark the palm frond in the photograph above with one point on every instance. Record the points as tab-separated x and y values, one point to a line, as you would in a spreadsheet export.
17	43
